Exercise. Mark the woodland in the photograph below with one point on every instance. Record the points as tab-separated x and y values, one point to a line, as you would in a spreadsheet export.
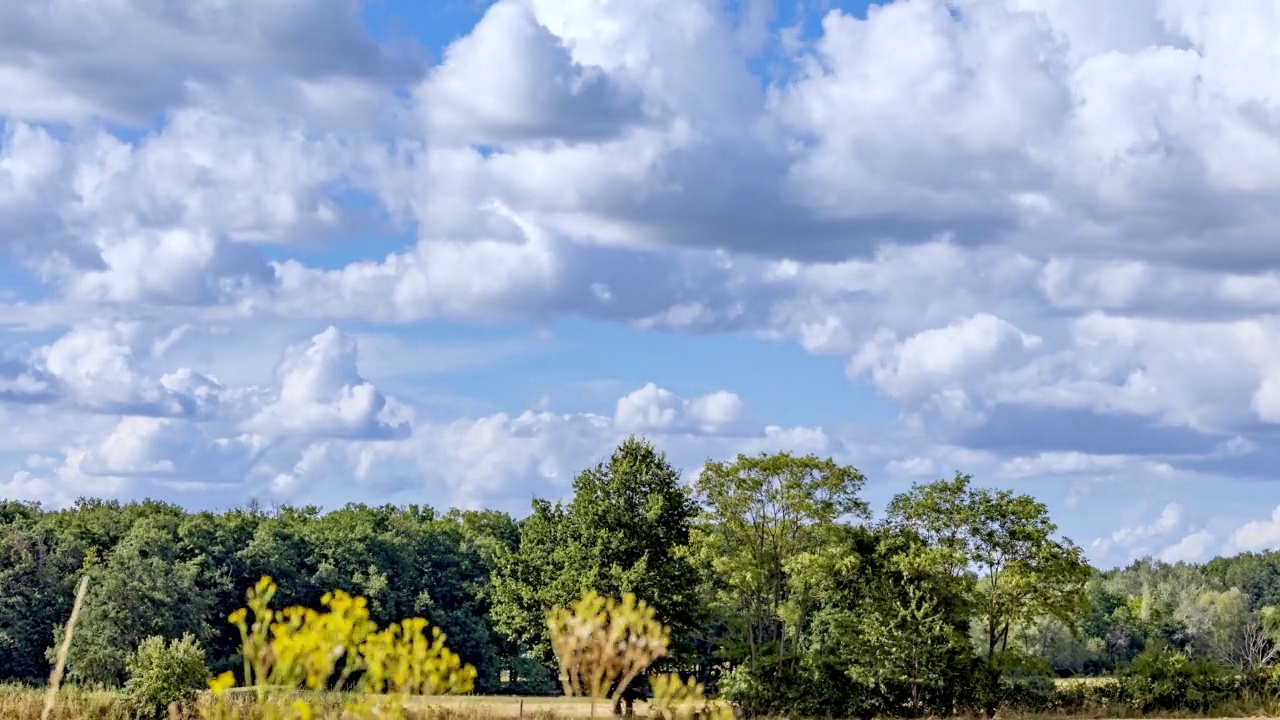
783	591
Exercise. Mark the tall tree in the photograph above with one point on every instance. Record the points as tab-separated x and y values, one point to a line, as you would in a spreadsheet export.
761	514
892	622
36	575
625	530
1006	544
144	588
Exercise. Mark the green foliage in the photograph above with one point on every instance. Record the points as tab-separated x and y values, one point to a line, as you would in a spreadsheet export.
1163	679
777	591
163	673
626	530
145	588
1007	541
765	517
890	621
37	572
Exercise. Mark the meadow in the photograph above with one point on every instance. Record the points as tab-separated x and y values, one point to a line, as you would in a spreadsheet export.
26	702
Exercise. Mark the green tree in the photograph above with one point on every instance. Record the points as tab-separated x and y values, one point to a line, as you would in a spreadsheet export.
533	578
626	530
143	589
1256	574
161	675
36	574
762	514
1006	543
894	623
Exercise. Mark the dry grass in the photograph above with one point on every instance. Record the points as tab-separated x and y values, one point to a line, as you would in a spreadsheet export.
1068	682
501	706
21	702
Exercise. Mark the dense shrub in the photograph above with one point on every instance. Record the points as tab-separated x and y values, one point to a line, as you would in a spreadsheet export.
161	674
786	689
1090	696
1164	679
529	677
806	689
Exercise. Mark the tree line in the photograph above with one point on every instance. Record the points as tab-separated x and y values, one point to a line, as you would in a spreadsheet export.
780	589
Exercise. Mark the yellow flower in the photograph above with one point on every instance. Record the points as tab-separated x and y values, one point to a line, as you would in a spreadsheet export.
222	683
321	650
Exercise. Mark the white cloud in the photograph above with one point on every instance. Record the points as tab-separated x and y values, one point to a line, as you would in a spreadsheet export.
165	447
477	95
1258	534
1196	547
944	367
321	394
1041	229
948	132
97	366
652	408
498	460
76	59
1171	517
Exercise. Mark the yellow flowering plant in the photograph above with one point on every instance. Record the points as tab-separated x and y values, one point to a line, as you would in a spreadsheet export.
603	645
335	649
675	699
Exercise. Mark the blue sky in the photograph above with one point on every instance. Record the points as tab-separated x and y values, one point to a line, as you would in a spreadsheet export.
453	252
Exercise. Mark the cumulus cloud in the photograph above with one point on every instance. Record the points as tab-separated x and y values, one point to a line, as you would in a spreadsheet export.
497	460
96	365
1170	519
944	365
652	408
1196	547
322	394
72	60
23	382
1172	537
477	95
1043	235
1257	535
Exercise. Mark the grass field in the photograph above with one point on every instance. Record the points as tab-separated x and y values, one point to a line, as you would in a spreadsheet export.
24	703
19	702
514	707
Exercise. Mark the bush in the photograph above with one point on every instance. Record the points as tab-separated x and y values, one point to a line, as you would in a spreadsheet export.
1088	696
530	677
161	674
1165	679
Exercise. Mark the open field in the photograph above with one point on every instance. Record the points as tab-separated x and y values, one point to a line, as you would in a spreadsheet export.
24	703
1068	682
514	707
20	703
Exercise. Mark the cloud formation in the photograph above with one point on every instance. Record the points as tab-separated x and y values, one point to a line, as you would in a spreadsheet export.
1044	235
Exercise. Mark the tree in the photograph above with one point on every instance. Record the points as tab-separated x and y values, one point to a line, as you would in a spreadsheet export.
761	514
1228	632
893	623
626	530
1256	574
533	578
36	573
143	589
1005	543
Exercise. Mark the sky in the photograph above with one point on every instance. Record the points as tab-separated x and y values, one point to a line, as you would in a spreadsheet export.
453	252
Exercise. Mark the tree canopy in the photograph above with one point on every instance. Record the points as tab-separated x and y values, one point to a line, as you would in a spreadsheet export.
779	588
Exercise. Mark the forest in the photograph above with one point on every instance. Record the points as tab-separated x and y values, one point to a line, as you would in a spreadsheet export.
783	591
